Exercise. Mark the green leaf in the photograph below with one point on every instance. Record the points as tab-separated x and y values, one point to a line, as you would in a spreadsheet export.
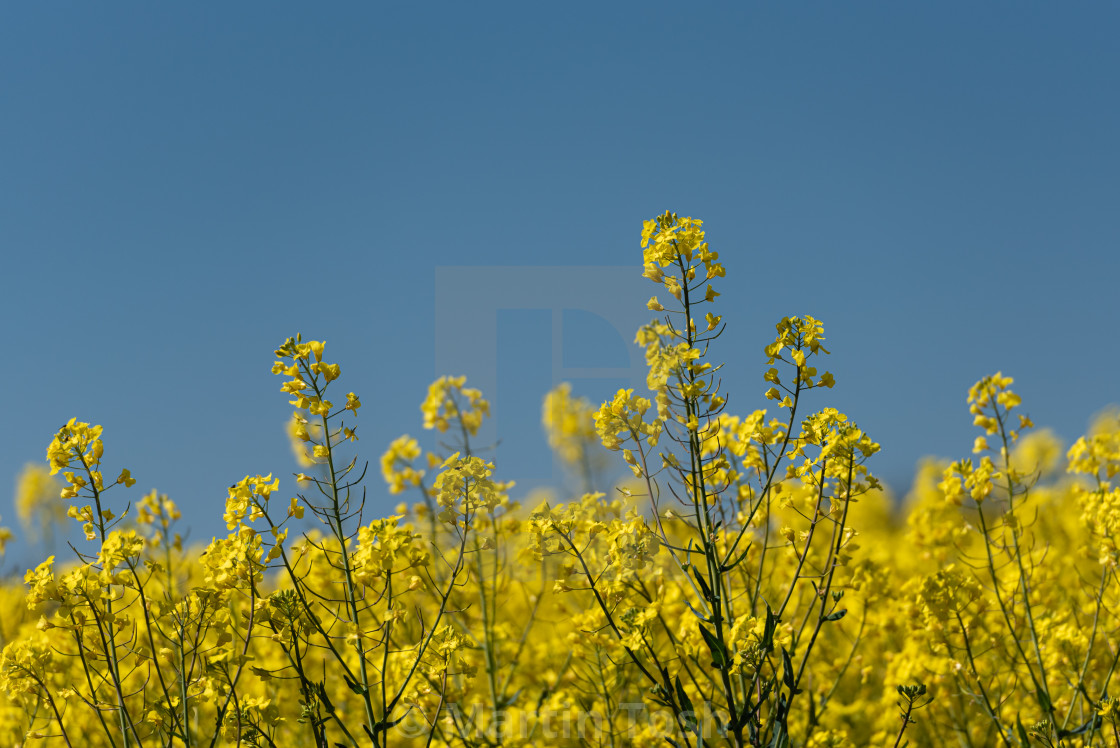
768	630
355	687
780	739
682	698
720	657
1043	700
704	588
787	672
1081	729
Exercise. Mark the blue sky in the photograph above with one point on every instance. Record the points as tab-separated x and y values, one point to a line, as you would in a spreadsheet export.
183	187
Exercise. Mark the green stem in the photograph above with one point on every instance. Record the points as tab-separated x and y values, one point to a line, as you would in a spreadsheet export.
335	518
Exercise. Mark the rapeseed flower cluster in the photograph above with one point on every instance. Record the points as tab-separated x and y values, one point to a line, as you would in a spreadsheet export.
750	582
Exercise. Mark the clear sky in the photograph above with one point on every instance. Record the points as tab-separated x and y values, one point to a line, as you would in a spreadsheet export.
182	187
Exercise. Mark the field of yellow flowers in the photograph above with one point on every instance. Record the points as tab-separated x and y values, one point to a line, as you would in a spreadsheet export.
752	585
